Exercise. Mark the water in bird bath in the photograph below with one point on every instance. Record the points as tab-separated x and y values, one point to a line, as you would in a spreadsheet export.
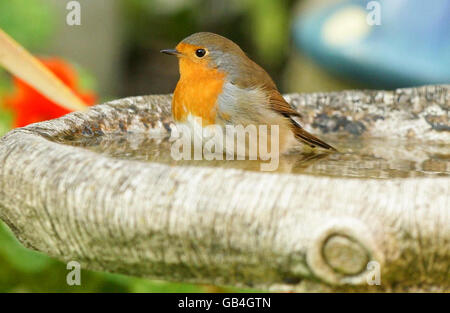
357	157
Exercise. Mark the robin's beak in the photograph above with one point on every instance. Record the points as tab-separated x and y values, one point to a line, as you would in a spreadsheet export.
171	51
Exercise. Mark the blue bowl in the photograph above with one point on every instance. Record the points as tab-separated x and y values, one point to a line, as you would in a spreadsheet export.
386	44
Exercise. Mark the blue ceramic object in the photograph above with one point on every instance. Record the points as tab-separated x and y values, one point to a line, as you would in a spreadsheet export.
411	46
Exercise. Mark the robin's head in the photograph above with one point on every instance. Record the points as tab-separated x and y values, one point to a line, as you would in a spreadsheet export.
208	51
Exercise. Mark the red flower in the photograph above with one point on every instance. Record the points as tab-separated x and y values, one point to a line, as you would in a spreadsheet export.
30	106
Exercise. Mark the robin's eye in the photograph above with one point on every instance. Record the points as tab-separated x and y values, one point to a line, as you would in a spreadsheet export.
200	53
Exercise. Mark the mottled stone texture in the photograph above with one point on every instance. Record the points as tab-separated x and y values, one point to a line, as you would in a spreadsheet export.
233	227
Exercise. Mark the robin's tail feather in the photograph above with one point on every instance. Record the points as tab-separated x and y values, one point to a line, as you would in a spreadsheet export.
307	138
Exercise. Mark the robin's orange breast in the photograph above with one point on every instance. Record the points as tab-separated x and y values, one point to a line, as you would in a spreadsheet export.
197	92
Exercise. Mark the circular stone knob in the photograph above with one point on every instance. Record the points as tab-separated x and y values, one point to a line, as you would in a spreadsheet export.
340	251
345	255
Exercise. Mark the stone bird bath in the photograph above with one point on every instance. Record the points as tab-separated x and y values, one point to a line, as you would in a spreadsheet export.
80	188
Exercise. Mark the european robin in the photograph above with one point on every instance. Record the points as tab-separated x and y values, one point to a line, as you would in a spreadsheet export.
221	85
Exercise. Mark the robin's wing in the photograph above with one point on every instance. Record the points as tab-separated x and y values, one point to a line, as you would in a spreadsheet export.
308	138
253	75
280	105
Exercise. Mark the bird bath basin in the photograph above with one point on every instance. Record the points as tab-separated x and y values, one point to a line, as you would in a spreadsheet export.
357	157
101	188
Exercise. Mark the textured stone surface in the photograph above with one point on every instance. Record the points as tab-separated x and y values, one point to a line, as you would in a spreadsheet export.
231	227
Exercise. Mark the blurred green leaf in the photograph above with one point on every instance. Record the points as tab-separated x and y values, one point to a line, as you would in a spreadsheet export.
86	79
269	20
5	121
29	22
23	259
5	115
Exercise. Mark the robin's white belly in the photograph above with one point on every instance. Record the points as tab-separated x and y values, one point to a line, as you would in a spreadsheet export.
250	141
